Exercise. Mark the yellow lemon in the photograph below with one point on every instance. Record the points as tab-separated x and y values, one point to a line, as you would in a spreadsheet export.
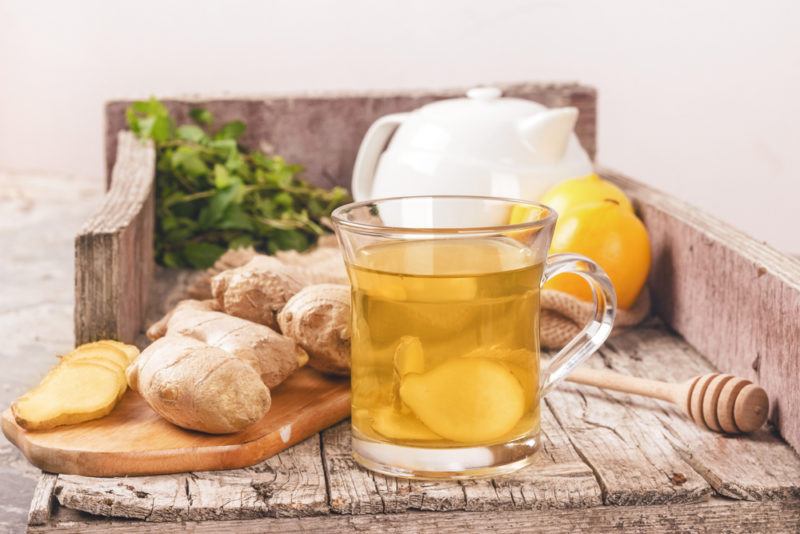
575	192
612	236
523	213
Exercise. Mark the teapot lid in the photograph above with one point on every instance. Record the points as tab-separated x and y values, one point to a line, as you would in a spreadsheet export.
484	125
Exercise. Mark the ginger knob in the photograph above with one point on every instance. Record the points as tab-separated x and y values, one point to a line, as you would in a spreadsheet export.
318	319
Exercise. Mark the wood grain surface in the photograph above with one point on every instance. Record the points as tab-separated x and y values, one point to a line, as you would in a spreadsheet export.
735	299
114	250
600	451
558	479
134	440
713	516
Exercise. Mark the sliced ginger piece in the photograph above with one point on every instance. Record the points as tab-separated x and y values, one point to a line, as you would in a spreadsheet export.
528	379
131	351
522	363
99	350
394	425
469	400
103	353
408	358
72	392
111	366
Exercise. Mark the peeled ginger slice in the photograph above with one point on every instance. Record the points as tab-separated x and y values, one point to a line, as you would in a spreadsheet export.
111	354
469	400
131	351
408	356
72	392
98	351
393	425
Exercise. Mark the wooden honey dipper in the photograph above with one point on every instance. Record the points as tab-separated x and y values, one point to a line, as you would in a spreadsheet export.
720	402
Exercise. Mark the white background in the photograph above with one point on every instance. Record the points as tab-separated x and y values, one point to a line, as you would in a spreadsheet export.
700	98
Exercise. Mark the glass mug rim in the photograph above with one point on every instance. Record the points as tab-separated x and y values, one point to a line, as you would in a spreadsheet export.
339	217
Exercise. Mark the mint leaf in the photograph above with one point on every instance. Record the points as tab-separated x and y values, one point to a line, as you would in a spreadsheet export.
190	132
201	116
187	159
235	218
222	178
213	194
232	130
241	241
202	255
288	240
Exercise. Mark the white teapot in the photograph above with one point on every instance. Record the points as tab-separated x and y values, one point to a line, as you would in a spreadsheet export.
479	145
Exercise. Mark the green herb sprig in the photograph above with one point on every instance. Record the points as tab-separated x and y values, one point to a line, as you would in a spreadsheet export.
212	194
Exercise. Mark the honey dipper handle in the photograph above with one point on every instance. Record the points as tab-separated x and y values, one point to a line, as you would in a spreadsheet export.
603	378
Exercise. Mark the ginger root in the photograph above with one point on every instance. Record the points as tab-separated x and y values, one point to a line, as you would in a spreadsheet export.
210	371
199	387
305	295
86	384
318	318
321	265
257	290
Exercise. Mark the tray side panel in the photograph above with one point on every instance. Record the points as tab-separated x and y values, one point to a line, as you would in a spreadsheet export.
114	250
735	299
323	132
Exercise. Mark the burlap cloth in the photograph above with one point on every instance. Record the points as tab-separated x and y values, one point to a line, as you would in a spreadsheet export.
563	316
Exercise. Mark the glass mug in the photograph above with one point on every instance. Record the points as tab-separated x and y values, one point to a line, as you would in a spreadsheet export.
446	379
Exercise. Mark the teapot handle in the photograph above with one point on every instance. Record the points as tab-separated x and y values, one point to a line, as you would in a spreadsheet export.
370	150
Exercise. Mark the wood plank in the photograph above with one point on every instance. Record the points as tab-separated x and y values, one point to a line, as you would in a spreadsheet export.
323	131
756	466
42	501
716	515
559	478
290	484
733	298
134	440
354	490
114	250
623	444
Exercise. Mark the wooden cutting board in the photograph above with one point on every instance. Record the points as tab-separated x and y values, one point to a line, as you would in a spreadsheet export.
134	440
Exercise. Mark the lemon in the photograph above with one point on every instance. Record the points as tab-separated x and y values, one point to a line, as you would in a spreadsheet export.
609	233
575	192
523	213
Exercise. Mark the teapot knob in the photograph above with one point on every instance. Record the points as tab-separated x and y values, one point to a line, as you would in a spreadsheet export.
484	94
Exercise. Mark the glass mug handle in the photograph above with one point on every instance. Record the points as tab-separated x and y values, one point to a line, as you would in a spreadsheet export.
593	334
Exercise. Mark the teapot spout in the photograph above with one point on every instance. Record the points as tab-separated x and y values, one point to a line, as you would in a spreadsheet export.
547	133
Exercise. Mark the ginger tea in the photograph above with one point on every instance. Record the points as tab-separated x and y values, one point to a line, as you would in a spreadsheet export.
445	342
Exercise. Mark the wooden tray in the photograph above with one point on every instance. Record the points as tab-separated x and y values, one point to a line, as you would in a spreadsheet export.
735	299
134	440
609	461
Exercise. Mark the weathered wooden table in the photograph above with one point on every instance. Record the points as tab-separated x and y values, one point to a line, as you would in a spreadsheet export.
609	461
